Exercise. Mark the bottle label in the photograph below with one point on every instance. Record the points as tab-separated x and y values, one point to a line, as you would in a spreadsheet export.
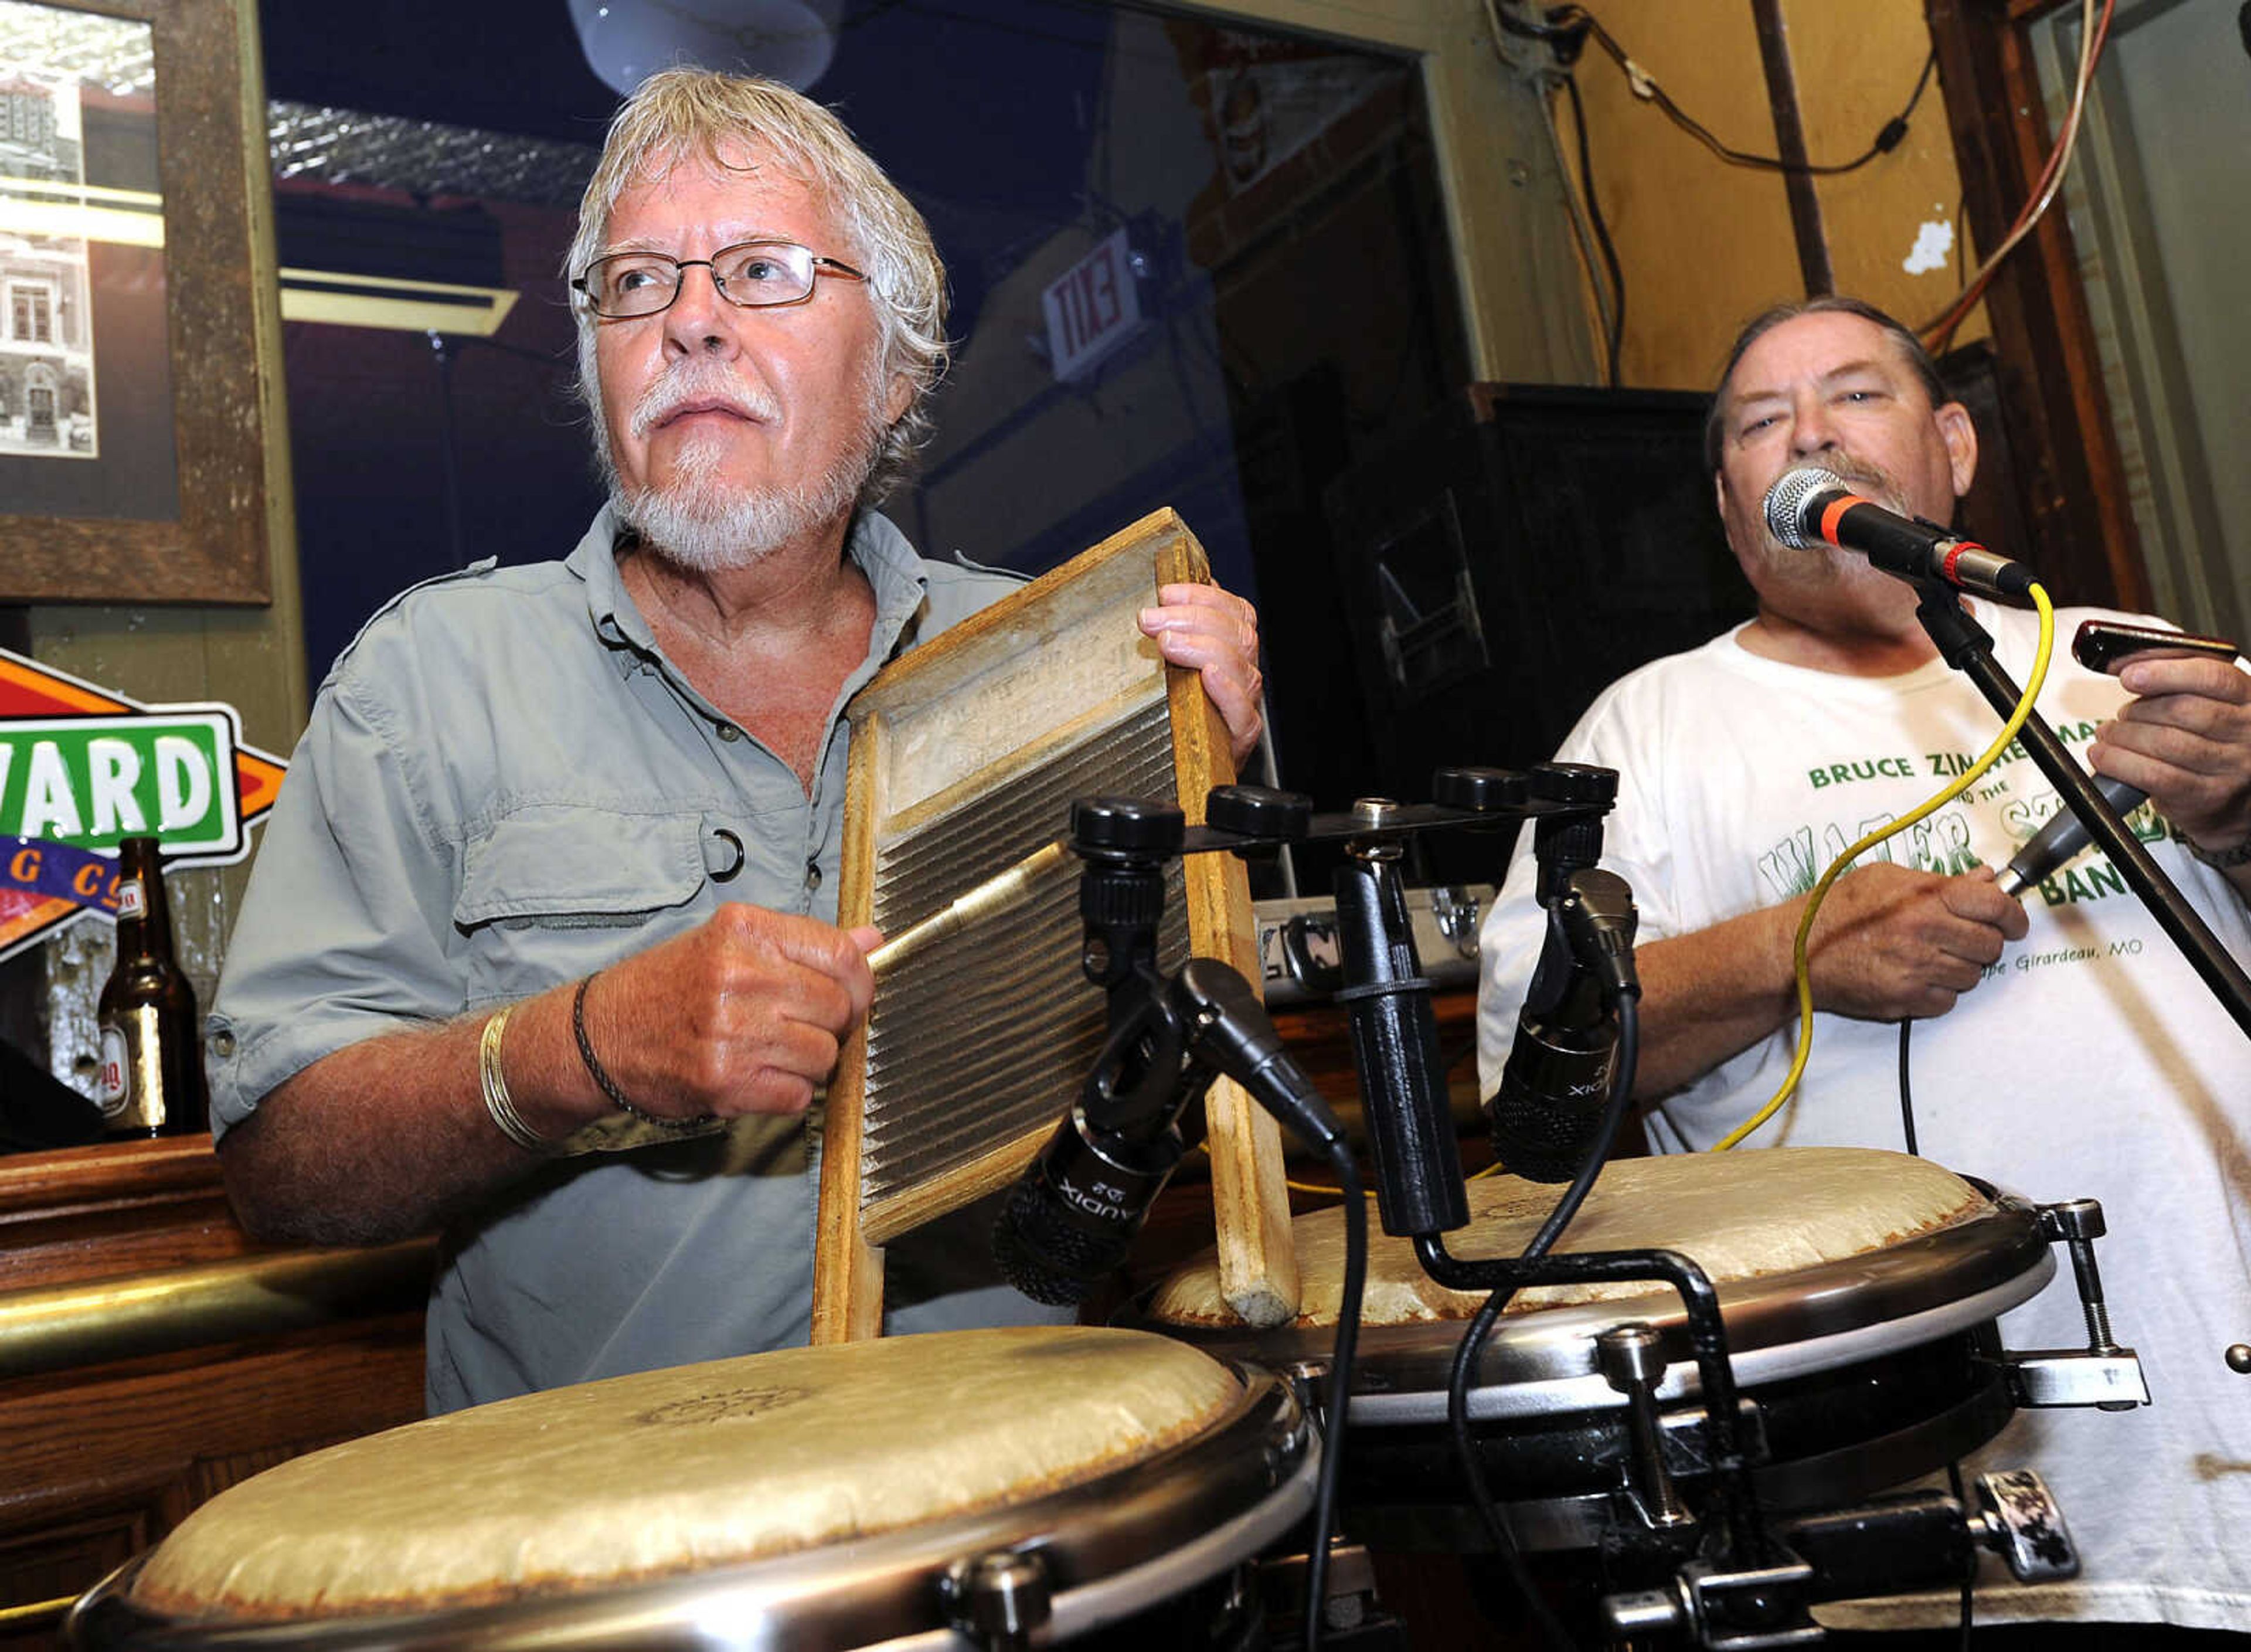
113	1086
133	1042
132	899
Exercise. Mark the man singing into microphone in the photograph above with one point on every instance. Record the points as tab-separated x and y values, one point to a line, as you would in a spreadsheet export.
2085	1058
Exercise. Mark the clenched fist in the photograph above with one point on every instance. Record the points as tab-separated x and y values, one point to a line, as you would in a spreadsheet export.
1890	942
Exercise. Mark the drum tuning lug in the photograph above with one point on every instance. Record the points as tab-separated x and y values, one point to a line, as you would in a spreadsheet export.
999	1599
1643	1614
1630	1361
2017	1519
1756	1609
1310	1378
2104	1375
2078	1223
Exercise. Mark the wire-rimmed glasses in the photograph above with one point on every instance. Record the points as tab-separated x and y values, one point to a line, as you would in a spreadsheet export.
753	273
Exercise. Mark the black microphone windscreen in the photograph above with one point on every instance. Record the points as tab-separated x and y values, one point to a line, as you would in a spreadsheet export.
1048	1256
1547	1111
1538	1141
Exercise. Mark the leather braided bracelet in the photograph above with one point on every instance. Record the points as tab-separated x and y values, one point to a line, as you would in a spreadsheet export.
2222	858
609	1085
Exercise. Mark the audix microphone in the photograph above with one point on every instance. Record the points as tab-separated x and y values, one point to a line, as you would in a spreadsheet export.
1071	1221
1809	505
1549	1108
2062	837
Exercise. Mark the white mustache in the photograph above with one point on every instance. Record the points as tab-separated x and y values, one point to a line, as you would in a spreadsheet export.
695	380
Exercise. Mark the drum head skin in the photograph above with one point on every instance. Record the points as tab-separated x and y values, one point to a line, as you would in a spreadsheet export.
673	1471
1739	1215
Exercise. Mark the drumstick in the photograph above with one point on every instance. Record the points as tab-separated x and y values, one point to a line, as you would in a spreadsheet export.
997	894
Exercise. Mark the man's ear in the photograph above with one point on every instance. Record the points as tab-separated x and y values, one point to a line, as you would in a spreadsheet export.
1959	432
898	400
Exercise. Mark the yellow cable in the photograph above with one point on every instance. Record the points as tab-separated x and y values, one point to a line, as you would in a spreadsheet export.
1800	969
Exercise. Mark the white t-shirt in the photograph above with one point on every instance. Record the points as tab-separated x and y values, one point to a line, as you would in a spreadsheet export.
2091	1062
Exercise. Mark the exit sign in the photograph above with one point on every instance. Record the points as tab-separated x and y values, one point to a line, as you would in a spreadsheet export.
1092	308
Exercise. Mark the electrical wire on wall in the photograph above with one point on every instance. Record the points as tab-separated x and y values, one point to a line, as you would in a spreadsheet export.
1565	29
2093	31
1613	327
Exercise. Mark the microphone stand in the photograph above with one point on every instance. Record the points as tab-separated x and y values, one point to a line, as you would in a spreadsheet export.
1170	1036
1419	1173
1967	647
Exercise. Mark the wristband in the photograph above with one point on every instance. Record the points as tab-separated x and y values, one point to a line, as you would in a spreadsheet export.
2222	858
609	1085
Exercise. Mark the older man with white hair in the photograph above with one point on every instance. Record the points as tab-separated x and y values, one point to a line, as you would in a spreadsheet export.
556	852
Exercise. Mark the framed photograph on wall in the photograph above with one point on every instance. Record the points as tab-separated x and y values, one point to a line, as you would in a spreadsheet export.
139	439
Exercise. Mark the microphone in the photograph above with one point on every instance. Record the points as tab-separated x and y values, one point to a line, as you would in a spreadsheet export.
1071	1221
2062	837
1548	1108
1810	504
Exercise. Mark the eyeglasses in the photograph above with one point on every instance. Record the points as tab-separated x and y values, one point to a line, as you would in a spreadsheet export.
752	274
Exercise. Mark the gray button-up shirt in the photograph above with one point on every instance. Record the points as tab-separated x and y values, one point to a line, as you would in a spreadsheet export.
503	785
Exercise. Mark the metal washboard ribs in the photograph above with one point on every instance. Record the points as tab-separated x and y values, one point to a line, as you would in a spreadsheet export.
986	1036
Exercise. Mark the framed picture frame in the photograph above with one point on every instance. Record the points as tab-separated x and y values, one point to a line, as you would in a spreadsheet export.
142	449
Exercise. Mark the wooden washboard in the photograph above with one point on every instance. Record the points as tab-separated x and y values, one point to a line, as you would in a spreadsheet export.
966	753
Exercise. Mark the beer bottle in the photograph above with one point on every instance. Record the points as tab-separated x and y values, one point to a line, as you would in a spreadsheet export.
152	1052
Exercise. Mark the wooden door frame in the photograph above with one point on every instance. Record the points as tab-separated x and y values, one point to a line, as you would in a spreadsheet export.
2085	545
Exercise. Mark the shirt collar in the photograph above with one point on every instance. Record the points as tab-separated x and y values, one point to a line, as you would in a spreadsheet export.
879	548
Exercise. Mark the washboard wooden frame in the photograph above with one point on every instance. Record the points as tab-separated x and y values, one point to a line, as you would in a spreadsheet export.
1039	685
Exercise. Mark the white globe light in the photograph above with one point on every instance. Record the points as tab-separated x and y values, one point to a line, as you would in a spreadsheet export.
626	41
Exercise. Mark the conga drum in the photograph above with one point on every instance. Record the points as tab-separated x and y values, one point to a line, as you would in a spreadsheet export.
957	1490
1858	1289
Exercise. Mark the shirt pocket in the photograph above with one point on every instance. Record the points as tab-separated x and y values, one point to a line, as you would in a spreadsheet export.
559	890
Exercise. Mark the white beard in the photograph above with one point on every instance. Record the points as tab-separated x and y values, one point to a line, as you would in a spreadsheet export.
697	521
700	525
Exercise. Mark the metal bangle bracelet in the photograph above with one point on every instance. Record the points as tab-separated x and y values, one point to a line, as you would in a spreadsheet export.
492	1084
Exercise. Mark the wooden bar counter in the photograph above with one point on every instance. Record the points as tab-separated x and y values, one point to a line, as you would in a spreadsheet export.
151	1354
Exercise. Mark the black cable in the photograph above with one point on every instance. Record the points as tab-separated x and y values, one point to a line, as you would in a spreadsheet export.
1617	339
1953	1469
1907	1095
1969	1567
1457	1419
1341	1357
1480	1326
1569	24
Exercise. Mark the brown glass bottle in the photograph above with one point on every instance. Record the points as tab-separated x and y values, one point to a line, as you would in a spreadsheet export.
151	1079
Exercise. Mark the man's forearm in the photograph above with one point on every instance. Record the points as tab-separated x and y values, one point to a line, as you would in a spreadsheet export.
1711	995
387	1137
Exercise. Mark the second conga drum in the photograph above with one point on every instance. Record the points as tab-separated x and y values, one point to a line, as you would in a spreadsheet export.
1858	1288
900	1493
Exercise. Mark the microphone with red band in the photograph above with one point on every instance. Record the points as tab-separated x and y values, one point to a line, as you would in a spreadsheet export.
1809	505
